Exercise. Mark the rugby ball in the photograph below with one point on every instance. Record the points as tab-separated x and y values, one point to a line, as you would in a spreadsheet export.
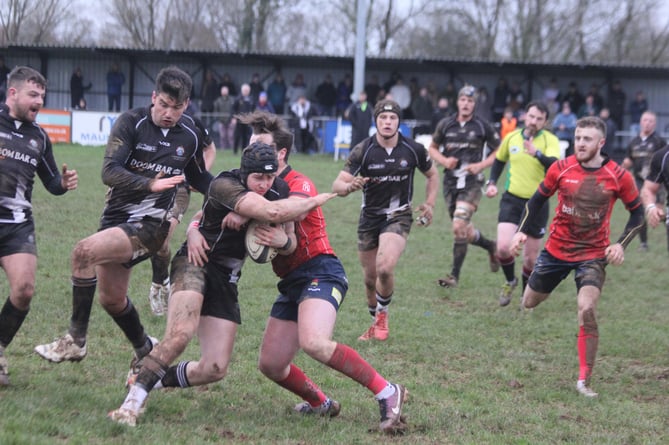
258	252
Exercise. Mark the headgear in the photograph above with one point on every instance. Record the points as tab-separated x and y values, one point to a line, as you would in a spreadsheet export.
469	91
386	106
258	158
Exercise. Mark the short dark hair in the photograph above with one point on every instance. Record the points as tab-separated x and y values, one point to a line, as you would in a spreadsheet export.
22	74
174	82
592	122
541	106
263	122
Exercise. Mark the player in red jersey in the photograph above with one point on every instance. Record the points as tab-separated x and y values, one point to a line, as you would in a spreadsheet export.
588	185
312	288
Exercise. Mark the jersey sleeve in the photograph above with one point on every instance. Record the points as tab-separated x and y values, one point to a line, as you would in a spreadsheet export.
353	164
303	187
491	136
48	171
503	152
549	185
439	135
629	194
119	146
657	166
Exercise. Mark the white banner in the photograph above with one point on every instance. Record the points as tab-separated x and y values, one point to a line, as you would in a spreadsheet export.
91	127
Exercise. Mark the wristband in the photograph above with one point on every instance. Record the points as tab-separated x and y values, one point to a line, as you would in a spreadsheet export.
650	207
490	182
286	246
538	155
194	225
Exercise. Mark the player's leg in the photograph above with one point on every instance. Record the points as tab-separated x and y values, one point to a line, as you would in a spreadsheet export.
505	232
104	247
20	270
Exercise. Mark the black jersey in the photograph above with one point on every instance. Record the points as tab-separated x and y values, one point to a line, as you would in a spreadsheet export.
137	151
224	193
391	174
640	152
25	149
659	168
465	141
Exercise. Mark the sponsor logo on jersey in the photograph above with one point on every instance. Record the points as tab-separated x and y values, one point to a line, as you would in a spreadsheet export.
5	135
404	163
146	147
180	151
6	153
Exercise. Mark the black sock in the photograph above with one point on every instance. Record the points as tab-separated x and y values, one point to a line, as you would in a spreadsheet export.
83	294
509	269
459	254
11	320
152	371
176	376
482	241
129	322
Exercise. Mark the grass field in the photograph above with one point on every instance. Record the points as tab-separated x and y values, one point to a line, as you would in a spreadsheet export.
477	373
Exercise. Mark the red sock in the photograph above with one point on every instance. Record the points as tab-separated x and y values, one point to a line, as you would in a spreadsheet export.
298	383
347	361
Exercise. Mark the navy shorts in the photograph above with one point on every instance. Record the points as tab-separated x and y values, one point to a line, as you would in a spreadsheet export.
511	210
322	277
370	227
549	272
17	238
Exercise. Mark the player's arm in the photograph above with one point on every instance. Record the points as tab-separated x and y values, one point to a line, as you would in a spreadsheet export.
633	226
257	207
282	237
51	177
530	213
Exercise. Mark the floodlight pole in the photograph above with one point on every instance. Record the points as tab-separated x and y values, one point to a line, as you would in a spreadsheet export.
360	41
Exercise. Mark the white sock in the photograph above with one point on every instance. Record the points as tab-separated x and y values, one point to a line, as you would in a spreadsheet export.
386	392
135	399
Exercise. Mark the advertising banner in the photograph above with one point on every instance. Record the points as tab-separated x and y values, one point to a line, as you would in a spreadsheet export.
56	123
92	127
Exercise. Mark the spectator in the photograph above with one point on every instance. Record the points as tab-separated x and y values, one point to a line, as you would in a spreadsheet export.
637	107
223	107
77	89
508	123
4	73
551	97
226	81
442	111
609	148
422	110
598	100
499	99
372	89
243	104
516	99
276	93
574	97
303	113
616	103
564	125
401	94
391	81
115	81
256	87
589	108
296	89
360	116
483	107
326	96
344	91
209	93
263	104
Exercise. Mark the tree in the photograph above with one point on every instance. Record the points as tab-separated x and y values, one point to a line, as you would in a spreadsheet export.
33	21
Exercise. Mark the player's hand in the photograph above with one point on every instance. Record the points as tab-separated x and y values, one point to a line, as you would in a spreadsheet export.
517	242
271	235
197	247
322	198
655	215
475	168
615	254
357	184
159	183
491	190
426	214
69	179
450	163
234	221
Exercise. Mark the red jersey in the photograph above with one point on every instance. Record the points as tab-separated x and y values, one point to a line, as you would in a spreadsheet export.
312	239
581	227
